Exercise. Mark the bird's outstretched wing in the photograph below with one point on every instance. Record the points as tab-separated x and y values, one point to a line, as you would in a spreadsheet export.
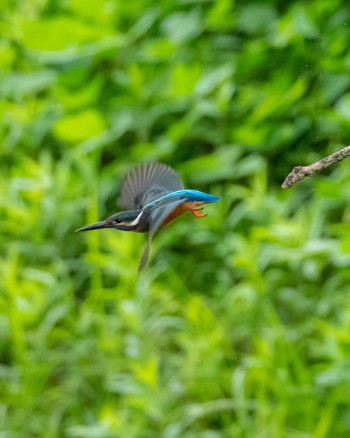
159	209
157	216
146	183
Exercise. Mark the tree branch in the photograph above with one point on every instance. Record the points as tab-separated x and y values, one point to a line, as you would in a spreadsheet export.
300	172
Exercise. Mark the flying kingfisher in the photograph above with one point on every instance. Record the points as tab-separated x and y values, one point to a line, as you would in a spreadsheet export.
154	196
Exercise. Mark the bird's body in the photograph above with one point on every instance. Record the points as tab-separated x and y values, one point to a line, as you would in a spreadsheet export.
155	197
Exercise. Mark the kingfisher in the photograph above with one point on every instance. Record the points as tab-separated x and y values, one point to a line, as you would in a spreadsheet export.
153	196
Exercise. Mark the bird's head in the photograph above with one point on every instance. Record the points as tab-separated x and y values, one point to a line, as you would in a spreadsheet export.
124	220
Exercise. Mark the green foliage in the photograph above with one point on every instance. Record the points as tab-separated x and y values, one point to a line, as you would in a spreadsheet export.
239	327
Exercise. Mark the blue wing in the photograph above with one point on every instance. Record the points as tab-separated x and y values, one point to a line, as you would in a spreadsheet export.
186	195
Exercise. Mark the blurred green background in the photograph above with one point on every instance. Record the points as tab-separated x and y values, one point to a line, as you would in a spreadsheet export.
240	325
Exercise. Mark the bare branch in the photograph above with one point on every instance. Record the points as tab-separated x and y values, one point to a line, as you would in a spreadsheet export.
300	172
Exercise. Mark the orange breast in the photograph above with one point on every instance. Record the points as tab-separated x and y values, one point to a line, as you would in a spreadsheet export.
179	210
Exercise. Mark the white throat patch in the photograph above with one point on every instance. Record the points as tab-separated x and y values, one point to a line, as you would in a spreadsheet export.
137	220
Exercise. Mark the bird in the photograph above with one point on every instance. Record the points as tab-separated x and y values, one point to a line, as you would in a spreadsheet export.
153	196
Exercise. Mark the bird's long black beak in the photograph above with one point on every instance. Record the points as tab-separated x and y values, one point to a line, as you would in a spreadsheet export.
98	226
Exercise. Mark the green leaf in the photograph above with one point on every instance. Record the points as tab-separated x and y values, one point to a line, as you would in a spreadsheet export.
80	126
60	33
19	85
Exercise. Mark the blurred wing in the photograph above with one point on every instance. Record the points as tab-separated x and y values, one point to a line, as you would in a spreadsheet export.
156	218
160	213
145	254
146	183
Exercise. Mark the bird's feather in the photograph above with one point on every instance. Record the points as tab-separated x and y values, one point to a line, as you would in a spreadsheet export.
157	215
147	183
185	195
145	254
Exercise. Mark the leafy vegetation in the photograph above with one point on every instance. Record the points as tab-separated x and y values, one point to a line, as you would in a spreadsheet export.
239	327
